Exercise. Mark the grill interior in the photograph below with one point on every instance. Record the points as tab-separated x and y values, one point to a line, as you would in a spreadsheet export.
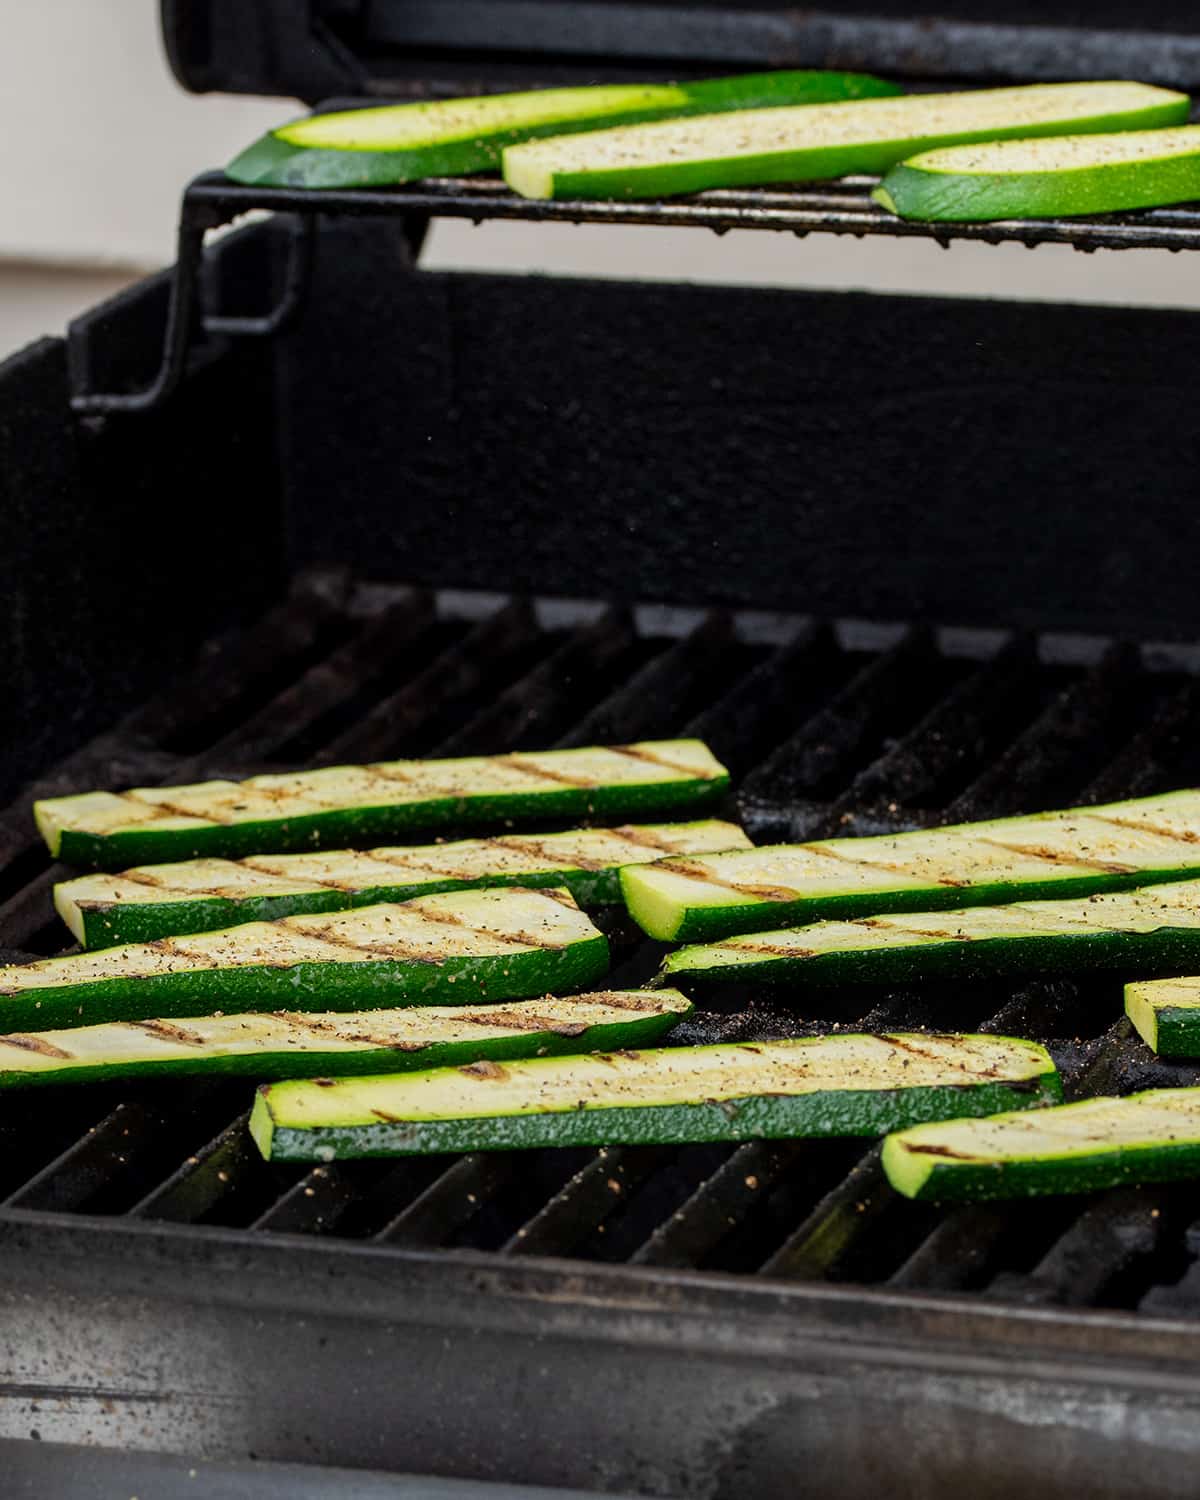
827	727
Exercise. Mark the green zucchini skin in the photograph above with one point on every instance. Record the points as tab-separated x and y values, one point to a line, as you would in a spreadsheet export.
276	161
1050	855
661	159
809	955
625	1027
698	781
928	187
100	912
837	1111
926	1164
269	981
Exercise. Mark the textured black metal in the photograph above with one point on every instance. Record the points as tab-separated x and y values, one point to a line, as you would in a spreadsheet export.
410	48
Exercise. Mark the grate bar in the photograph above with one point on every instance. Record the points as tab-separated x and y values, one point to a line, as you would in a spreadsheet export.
399	724
201	1181
314	1205
1042	767
826	748
594	1193
537	707
953	735
653	702
381	645
451	1201
93	1162
724	1200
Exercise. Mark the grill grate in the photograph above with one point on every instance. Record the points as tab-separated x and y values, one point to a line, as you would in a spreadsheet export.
825	728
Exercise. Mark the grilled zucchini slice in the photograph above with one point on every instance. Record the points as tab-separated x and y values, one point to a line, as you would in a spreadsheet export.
288	1044
822	140
201	894
351	805
1097	1143
1047	179
1166	1015
823	1086
452	949
1158	926
1073	852
448	137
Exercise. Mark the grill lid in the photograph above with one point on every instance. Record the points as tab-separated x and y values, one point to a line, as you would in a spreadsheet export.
315	49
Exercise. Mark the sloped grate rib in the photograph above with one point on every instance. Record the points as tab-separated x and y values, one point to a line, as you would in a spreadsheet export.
826	729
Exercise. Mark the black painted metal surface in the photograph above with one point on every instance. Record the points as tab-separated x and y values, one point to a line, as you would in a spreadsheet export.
413	48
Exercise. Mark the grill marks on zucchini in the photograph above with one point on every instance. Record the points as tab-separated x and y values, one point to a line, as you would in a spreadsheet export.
824	1086
823	140
1080	850
403	142
1050	178
1097	1143
202	894
454	948
1156	925
288	1045
353	804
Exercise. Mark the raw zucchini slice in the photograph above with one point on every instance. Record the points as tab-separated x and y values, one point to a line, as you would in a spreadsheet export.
1097	1143
1155	926
200	894
1078	851
823	1086
452	949
288	1044
448	137
1166	1014
354	804
822	140
1078	174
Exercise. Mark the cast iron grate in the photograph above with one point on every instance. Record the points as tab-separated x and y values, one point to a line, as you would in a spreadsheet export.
826	727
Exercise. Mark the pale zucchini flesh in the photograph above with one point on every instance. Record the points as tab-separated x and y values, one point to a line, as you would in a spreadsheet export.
355	805
1076	851
1149	927
291	1044
1166	1015
823	1086
822	140
1058	178
1097	1143
448	137
199	895
457	948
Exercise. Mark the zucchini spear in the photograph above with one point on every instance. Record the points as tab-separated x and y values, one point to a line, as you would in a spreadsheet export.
201	894
290	1045
1097	1143
1047	179
1076	852
821	140
448	137
823	1086
1156	926
1166	1015
452	949
350	805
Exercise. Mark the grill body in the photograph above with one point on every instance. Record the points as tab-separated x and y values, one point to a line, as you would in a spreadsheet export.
900	560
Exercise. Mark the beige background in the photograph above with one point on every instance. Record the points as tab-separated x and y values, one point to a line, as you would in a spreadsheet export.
99	140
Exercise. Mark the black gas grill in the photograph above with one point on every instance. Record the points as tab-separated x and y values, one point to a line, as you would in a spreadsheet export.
899	561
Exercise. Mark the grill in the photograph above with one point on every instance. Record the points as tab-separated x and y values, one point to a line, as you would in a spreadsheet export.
900	562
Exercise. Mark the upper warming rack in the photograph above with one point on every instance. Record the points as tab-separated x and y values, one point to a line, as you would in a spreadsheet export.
212	201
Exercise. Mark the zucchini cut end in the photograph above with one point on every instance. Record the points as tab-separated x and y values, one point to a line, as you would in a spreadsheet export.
262	1122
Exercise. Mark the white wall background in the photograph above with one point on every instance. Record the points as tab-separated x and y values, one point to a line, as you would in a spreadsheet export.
98	140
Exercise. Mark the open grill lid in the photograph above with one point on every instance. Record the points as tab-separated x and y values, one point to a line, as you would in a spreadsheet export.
317	49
